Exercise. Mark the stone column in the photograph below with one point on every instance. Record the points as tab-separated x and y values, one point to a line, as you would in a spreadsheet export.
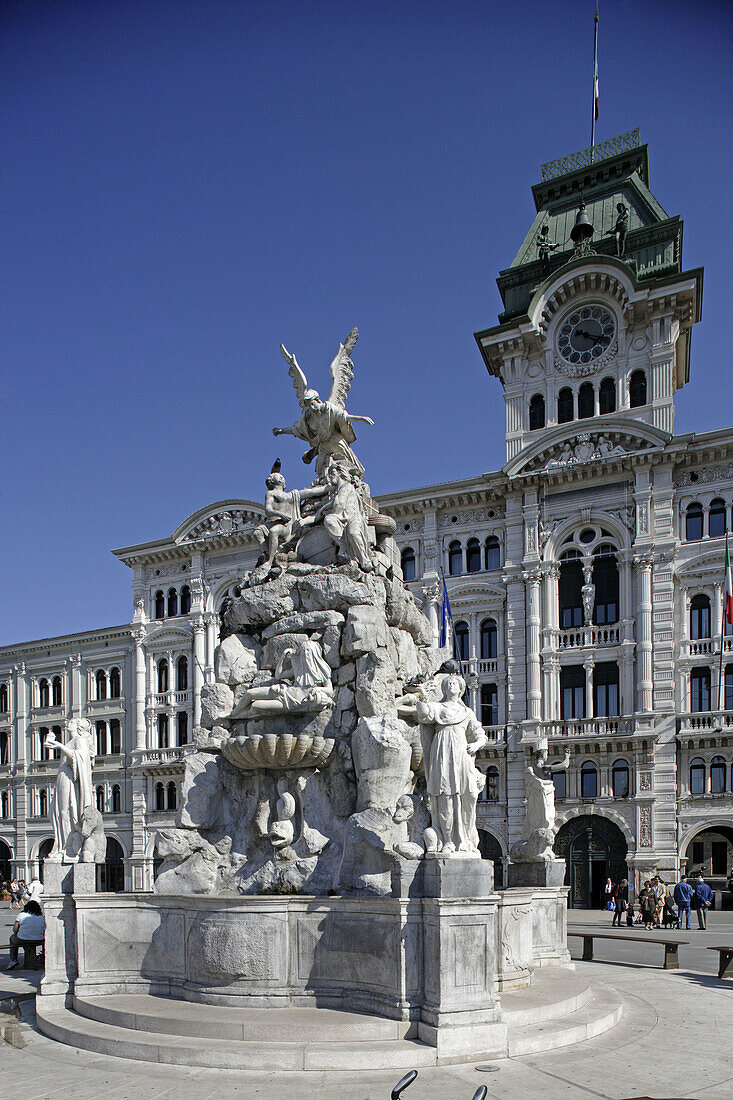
532	581
139	702
588	665
431	596
626	615
212	621
644	683
198	664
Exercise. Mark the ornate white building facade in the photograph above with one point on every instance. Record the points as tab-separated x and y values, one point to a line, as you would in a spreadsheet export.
585	577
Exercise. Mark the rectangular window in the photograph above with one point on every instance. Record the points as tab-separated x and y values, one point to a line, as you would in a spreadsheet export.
4	748
605	690
162	731
572	692
700	690
698	852
560	780
720	857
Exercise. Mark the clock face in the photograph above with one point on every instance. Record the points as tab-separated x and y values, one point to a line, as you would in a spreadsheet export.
586	334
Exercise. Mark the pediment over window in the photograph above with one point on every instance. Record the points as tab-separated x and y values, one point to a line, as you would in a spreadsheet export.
225	517
596	442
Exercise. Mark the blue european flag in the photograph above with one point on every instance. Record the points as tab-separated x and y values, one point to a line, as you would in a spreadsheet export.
445	615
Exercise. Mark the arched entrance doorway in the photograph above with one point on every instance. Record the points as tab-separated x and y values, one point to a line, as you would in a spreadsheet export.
111	873
710	851
490	848
5	857
594	849
44	849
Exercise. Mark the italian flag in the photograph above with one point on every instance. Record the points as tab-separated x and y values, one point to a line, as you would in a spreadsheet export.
729	585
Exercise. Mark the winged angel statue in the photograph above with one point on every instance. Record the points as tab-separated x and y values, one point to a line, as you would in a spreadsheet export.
325	425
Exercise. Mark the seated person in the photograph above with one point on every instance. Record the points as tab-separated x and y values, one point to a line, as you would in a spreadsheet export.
28	928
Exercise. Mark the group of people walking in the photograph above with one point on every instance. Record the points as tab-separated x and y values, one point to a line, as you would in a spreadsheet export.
659	905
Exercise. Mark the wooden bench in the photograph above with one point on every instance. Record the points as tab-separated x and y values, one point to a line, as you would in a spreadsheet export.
725	961
30	959
671	957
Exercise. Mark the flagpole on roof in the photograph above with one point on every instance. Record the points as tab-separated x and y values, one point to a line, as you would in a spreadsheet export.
594	113
723	620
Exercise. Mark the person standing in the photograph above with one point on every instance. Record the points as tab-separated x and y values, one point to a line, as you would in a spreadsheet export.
683	894
703	901
621	899
648	903
608	891
14	894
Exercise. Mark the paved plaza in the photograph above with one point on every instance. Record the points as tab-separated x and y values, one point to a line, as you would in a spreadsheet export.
673	1042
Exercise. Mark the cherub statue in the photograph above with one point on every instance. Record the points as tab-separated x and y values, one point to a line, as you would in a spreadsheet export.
325	425
282	516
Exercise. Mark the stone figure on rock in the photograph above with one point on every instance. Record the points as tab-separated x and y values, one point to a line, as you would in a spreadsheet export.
283	519
344	519
301	685
539	820
372	839
93	840
73	790
325	425
451	735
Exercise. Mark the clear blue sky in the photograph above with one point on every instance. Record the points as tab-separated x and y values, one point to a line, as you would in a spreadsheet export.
184	185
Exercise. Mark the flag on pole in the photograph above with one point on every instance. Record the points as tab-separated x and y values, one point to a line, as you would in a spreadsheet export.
445	617
728	592
595	67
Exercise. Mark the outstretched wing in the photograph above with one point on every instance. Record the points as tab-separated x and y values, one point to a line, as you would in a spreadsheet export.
342	370
299	380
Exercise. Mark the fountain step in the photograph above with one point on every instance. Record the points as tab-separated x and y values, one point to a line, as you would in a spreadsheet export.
553	992
602	1011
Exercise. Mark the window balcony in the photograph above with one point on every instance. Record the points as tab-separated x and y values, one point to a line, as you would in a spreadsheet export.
704	647
579	637
170	699
710	721
588	727
102	707
152	759
495	734
479	666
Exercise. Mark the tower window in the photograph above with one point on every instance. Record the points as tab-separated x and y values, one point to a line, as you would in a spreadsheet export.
536	412
585	401
637	389
565	405
607	396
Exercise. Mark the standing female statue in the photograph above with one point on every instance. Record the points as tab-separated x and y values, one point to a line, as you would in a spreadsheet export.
73	791
452	735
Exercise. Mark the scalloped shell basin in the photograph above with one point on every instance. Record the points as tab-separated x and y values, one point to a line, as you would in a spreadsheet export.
278	750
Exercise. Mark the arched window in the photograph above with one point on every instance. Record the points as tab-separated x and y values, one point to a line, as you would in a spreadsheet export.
697	776
699	617
585	401
43	801
172	603
162	675
492	553
159	605
570	587
728	688
408	563
700	690
461	640
588	780
172	796
44	698
42	750
717	525
182	674
4	747
717	775
491	791
101	738
605	689
4	707
56	691
455	559
185	600
162	731
101	683
116	799
607	396
693	521
4	804
489	705
473	556
182	727
159	796
572	692
100	799
606	580
115	739
489	636
114	683
620	779
565	405
536	412
637	389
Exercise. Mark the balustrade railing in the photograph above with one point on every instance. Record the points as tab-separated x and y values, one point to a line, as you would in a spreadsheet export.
171	698
171	755
706	720
589	727
704	647
590	155
580	636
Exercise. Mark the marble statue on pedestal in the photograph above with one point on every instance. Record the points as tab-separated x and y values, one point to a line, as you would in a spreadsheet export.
72	793
452	735
539	821
325	425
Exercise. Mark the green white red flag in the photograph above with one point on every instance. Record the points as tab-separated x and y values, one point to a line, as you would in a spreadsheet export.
729	586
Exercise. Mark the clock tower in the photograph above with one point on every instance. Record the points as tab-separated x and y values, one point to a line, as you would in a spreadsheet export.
594	339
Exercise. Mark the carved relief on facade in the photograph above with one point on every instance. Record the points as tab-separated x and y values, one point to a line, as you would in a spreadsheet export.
472	516
704	476
645	827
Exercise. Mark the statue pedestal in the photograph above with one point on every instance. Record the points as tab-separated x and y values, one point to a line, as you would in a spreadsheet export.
549	872
457	876
62	882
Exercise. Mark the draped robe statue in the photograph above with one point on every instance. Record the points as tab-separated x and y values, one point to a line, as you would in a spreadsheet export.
72	794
